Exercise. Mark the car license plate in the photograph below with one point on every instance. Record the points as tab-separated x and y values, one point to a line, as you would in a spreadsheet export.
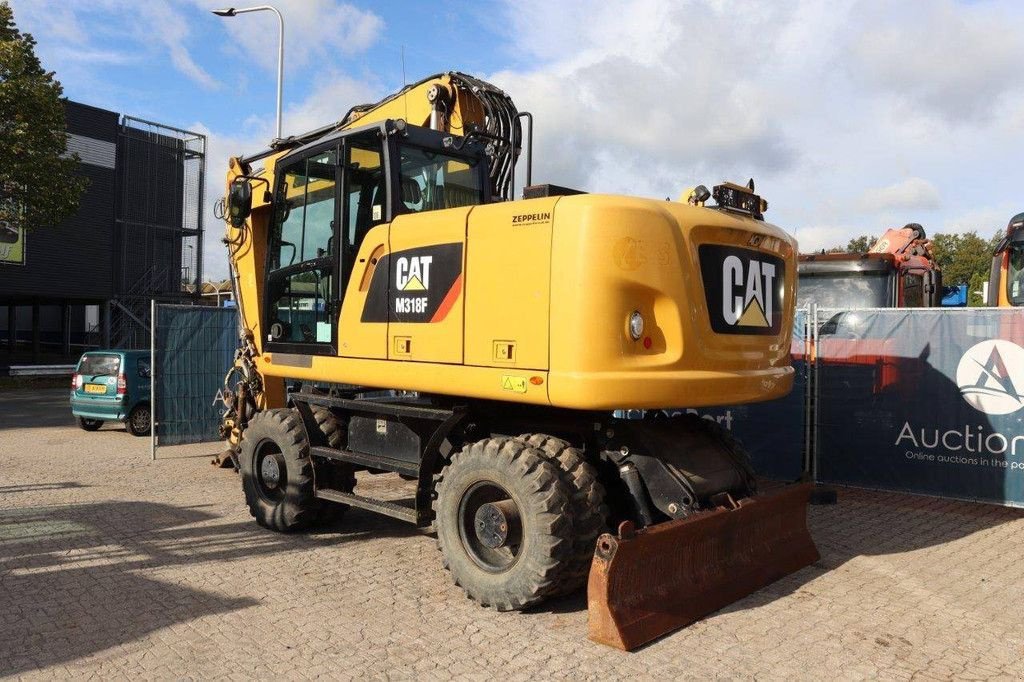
95	388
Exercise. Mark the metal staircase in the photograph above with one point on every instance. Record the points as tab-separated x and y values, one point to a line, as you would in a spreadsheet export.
129	312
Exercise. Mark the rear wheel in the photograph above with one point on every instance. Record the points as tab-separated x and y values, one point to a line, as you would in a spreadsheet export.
89	424
587	504
138	422
277	473
503	523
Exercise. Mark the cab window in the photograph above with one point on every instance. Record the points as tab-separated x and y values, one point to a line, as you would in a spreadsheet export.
430	180
1015	276
365	196
913	290
301	269
305	211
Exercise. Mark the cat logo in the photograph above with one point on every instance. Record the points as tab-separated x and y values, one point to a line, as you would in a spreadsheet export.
989	374
750	302
743	289
413	273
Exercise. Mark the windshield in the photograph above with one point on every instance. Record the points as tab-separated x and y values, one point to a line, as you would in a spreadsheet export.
844	289
1015	275
100	365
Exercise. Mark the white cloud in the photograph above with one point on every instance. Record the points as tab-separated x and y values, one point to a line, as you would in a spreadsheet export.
315	31
821	102
172	29
813	238
955	60
985	220
71	26
910	193
639	84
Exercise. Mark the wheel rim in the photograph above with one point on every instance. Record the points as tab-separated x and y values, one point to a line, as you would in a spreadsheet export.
490	526
140	420
270	470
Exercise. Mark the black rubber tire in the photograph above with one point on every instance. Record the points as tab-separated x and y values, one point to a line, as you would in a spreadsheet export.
140	420
536	486
739	453
587	505
295	507
89	424
333	475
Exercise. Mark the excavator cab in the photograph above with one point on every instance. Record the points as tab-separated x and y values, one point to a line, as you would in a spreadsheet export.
340	207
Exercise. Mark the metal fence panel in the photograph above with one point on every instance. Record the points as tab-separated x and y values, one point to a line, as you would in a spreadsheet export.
927	401
193	348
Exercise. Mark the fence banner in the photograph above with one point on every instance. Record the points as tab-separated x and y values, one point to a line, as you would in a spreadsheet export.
193	348
928	401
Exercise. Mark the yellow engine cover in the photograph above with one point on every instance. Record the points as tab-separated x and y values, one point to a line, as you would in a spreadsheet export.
530	301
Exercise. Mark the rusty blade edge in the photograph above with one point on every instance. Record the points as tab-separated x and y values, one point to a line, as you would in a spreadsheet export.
675	573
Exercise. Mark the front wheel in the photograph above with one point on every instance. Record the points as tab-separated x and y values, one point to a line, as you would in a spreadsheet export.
277	473
138	422
503	523
89	424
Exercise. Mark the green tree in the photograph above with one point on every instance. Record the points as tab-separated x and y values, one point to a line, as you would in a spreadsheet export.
962	255
974	289
859	244
39	185
965	258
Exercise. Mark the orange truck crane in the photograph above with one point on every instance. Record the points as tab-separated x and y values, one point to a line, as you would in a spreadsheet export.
898	271
477	346
1006	282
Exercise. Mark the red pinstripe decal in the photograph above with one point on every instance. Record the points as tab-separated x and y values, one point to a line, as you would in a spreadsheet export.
449	300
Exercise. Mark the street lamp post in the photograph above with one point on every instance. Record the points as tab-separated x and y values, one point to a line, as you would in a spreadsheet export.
231	11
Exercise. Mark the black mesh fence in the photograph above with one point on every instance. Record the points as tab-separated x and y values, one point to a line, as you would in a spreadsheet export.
193	348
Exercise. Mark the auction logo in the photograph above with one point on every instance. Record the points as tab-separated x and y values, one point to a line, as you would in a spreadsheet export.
991	375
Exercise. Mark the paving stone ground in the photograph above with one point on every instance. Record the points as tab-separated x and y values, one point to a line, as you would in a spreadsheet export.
115	567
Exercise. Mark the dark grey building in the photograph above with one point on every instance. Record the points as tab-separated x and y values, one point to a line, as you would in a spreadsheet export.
137	236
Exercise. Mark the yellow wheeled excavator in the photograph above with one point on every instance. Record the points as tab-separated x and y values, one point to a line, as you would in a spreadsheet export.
427	324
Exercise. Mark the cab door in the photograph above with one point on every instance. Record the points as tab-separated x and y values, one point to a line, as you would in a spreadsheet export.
363	324
427	244
301	275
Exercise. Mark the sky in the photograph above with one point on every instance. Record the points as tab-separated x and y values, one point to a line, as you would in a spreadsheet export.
851	115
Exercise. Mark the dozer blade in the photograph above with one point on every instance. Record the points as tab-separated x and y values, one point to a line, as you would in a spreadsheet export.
644	584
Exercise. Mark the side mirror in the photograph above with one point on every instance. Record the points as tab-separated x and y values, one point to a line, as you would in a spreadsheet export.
239	201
